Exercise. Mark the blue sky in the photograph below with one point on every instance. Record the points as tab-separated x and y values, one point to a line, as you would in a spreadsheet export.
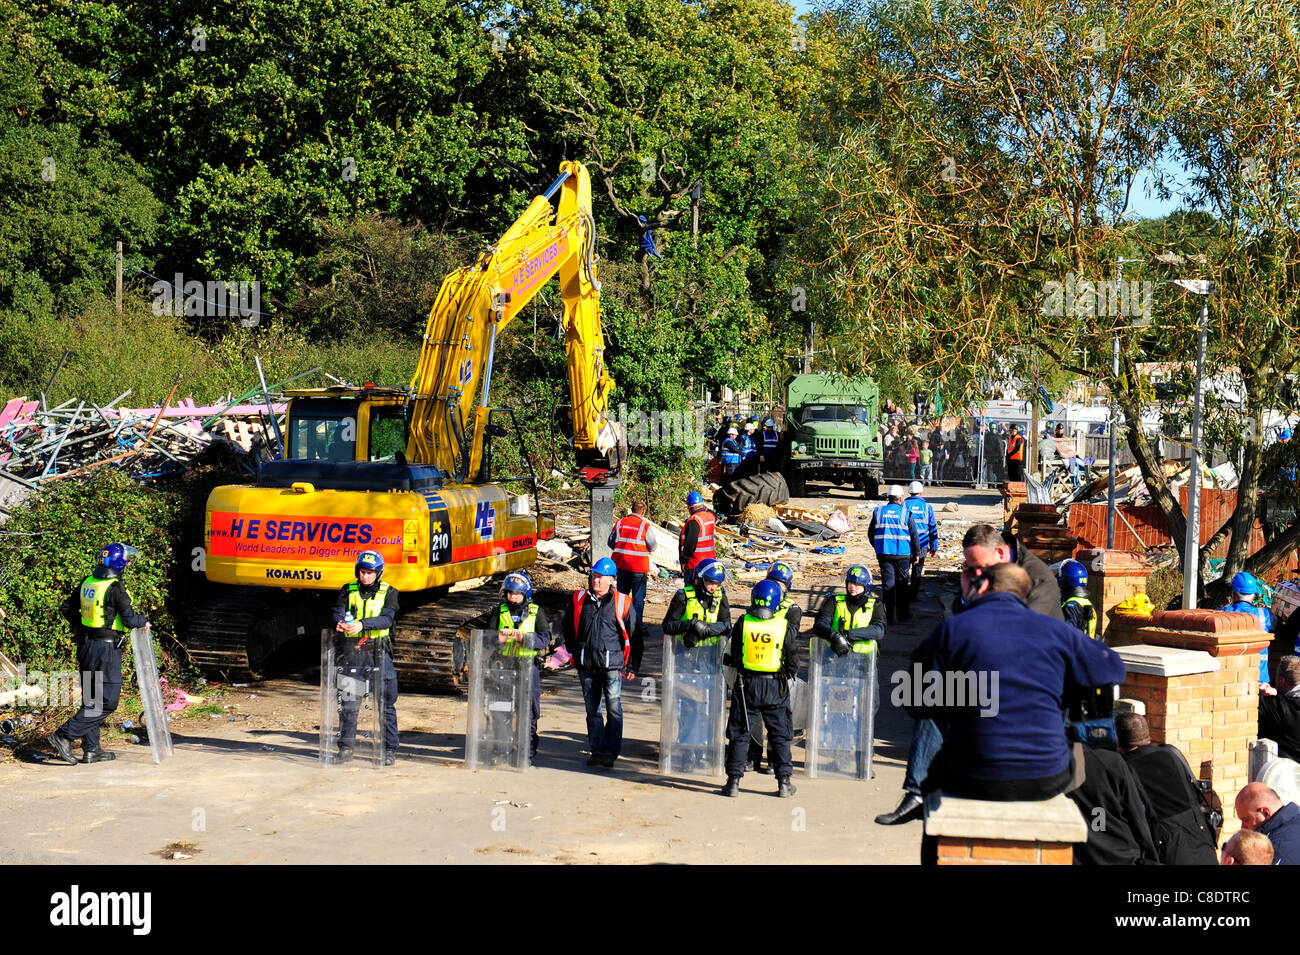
1141	204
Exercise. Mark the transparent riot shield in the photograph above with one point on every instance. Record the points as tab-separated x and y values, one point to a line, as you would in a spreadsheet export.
146	675
500	705
351	700
841	712
692	708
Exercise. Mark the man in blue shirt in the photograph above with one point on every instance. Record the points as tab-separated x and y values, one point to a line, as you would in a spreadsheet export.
927	532
1260	809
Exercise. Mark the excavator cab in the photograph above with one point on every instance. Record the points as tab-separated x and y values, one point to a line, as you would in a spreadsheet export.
347	424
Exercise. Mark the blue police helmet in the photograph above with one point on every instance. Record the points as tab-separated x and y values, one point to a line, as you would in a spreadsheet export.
604	568
370	560
116	556
1072	574
1244	583
517	582
711	570
694	499
767	595
1285	434
782	573
858	574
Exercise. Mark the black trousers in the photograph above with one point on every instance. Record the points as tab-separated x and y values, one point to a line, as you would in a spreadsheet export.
766	699
100	663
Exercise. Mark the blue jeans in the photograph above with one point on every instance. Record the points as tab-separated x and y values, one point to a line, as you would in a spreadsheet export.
632	583
604	738
927	740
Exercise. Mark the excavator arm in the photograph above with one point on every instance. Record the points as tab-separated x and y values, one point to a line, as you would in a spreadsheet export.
450	391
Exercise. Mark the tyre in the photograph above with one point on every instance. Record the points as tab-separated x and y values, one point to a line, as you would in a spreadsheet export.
768	488
871	489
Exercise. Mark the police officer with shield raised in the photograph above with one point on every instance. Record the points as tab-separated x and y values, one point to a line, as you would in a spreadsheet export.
363	617
522	629
766	661
102	609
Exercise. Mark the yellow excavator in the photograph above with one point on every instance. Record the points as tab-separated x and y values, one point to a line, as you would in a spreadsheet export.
409	472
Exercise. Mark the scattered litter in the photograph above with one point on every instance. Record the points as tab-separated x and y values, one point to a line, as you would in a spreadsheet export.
827	549
775	524
950	508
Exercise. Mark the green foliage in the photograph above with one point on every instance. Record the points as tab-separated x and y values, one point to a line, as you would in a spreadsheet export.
53	542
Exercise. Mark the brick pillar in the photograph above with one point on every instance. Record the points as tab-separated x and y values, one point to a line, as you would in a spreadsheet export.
1113	577
1176	686
1215	715
1014	494
980	832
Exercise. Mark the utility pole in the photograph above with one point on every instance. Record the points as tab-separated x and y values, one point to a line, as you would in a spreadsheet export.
697	193
119	278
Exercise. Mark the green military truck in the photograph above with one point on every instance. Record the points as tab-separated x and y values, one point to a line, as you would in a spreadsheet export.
832	433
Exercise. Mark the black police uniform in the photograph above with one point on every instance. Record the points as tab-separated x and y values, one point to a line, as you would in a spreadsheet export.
533	643
99	658
761	696
794	614
364	659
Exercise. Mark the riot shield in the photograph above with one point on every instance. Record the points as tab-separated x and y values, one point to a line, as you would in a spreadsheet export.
146	676
351	700
500	705
692	708
841	712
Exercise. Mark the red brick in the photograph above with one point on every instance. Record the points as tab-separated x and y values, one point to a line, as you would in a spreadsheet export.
950	847
1004	851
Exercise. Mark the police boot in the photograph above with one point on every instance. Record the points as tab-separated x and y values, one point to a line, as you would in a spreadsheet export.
733	786
98	756
63	746
345	753
785	788
908	809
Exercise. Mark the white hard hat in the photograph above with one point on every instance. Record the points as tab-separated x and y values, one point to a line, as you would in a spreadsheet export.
769	423
750	426
896	491
732	430
916	487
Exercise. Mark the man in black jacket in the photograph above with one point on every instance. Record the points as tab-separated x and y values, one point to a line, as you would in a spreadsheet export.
1279	709
1177	823
1115	810
363	617
601	635
101	612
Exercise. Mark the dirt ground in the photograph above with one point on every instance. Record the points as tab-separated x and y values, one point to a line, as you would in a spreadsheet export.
245	786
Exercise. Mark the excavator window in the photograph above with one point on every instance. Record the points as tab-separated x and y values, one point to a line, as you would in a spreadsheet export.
388	433
323	439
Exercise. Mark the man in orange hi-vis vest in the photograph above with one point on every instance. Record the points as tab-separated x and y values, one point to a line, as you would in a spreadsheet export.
631	540
1015	455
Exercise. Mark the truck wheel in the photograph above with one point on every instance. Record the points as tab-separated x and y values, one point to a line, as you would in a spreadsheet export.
768	488
871	488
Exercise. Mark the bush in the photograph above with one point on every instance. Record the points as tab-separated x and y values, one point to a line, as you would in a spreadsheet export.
1165	587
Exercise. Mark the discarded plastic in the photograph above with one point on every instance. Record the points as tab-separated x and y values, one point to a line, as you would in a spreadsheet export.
828	550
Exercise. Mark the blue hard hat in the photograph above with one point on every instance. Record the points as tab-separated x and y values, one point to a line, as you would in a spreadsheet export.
781	572
694	499
767	595
370	560
517	582
1244	583
604	568
116	556
711	570
858	574
1071	573
1285	434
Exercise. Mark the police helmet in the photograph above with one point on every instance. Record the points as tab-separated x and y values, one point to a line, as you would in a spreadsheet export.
694	499
711	570
604	568
916	487
115	557
781	572
858	574
1285	435
370	560
517	582
1245	584
766	596
1071	573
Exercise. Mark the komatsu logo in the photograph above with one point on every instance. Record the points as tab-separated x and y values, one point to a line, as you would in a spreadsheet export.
276	573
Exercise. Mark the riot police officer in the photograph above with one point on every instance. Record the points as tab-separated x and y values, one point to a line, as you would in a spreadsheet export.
105	617
782	574
853	621
698	613
363	616
1072	577
766	661
521	629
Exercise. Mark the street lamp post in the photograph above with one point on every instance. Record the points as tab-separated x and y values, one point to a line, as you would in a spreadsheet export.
1192	541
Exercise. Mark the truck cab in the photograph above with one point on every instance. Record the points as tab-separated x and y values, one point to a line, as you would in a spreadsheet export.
831	427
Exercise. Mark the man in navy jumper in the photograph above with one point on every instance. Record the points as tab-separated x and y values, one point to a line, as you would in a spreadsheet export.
1261	809
1008	743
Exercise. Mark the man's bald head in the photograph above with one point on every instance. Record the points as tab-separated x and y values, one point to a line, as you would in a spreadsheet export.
1256	804
1132	731
1248	848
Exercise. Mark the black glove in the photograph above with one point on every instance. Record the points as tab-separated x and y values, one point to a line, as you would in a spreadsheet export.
728	660
840	644
688	639
700	629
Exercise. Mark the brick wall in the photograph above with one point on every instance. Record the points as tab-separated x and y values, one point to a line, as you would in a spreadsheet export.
957	851
1113	577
